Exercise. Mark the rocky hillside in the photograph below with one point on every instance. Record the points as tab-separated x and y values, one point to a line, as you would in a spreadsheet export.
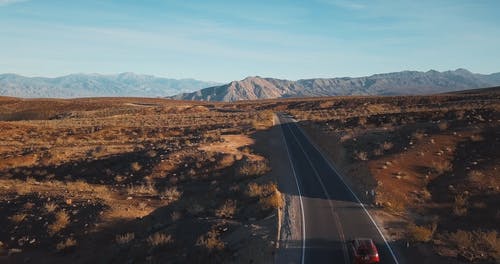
397	83
96	85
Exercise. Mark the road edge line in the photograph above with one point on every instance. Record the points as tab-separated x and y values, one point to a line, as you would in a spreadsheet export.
338	223
349	188
300	196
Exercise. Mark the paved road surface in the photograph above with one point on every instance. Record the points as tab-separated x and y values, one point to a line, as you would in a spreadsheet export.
323	212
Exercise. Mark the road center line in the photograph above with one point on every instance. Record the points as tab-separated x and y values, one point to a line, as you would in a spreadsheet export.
338	224
355	196
300	199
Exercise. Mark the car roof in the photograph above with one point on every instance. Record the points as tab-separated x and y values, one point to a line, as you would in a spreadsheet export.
365	243
363	240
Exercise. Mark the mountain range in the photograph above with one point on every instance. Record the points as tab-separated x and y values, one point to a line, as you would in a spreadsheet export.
250	88
96	85
396	83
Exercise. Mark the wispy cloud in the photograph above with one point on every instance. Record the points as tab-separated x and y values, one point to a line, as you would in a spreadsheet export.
10	2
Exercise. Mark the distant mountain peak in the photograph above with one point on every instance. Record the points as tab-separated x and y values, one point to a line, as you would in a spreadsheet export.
395	83
96	85
463	71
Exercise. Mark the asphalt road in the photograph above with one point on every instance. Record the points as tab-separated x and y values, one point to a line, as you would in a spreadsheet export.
328	213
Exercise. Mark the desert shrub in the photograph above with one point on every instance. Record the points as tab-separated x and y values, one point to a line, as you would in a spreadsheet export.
387	145
275	200
476	138
475	176
362	121
361	155
135	166
171	194
262	120
418	233
61	221
80	185
124	238
50	207
443	125
461	238
253	168
211	241
142	189
259	190
227	210
460	205
418	135
475	245
481	180
441	167
17	218
66	244
151	153
159	239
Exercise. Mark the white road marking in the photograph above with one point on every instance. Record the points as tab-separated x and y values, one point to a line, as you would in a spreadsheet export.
301	202
332	211
355	196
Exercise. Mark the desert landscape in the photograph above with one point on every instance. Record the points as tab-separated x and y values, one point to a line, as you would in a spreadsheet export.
133	180
141	180
287	132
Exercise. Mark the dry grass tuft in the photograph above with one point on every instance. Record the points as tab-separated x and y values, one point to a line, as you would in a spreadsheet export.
18	218
142	189
171	194
460	205
418	135
421	233
135	166
159	239
441	167
50	207
227	210
62	220
387	145
124	238
475	246
275	200
66	244
253	168
443	125
211	241
259	190
361	155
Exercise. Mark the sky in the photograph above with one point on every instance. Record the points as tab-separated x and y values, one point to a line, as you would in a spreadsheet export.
230	40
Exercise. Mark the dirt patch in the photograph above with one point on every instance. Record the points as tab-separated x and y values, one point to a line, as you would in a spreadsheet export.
236	145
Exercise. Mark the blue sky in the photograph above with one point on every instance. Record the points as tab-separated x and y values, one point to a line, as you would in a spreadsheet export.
229	40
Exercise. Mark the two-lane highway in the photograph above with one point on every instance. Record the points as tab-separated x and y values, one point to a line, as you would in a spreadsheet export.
330	214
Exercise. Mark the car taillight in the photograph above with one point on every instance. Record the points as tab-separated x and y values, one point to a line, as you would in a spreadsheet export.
375	258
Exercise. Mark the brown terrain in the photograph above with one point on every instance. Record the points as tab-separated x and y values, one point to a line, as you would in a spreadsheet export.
152	180
432	162
133	180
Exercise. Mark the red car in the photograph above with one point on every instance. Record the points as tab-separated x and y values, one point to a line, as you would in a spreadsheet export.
364	251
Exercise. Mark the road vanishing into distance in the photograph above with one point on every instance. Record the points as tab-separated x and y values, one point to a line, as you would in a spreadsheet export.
322	213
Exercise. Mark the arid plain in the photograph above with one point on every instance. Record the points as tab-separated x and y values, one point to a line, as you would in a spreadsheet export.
119	180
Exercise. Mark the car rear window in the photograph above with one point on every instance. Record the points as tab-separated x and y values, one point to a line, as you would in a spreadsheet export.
365	247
